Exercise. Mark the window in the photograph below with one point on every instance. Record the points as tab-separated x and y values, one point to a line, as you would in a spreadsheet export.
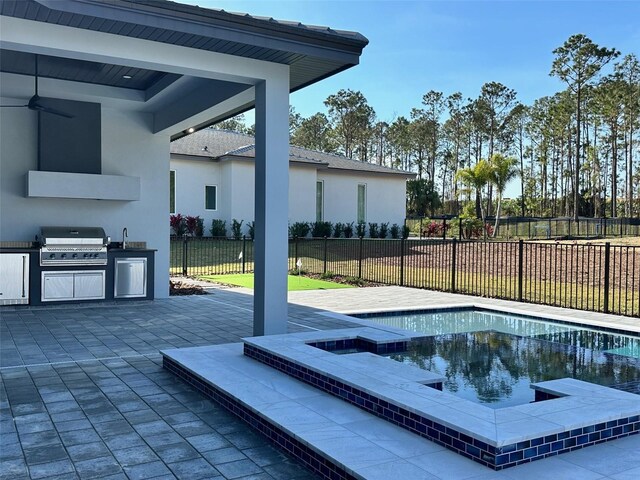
362	202
319	201
172	191
210	197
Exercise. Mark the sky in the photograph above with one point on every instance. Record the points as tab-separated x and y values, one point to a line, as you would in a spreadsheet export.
449	46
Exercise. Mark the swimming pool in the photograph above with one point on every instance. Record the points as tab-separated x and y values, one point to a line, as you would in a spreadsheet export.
492	358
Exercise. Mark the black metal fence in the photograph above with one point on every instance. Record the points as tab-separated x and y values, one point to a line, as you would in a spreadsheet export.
595	277
539	228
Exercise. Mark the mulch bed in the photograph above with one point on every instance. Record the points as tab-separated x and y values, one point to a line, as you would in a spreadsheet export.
177	287
344	280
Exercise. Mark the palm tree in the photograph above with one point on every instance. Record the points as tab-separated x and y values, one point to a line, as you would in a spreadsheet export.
503	170
477	177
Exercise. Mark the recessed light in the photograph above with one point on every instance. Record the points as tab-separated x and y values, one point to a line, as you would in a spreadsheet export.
191	130
127	77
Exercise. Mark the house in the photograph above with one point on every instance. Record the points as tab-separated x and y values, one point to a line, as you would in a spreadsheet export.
212	174
137	74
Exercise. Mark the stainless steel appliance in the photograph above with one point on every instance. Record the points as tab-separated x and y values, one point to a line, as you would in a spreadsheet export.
14	278
130	277
73	246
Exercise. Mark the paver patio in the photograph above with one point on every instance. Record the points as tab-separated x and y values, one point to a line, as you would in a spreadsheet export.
83	393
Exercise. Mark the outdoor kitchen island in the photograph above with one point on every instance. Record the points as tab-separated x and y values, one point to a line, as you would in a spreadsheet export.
126	274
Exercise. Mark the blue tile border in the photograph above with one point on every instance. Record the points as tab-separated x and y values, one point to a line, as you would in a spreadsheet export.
491	456
309	457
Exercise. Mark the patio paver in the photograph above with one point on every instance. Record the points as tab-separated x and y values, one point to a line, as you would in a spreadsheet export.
93	375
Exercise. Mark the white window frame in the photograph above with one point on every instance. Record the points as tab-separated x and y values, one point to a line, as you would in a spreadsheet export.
364	202
320	183
175	199
205	198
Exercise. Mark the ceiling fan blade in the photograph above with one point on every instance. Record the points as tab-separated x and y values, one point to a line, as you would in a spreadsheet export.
34	104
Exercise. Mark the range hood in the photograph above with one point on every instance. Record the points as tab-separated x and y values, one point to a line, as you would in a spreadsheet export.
70	157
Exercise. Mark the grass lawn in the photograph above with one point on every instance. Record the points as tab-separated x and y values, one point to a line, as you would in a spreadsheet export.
294	282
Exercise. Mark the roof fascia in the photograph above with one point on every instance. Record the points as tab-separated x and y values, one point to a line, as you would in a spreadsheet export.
296	40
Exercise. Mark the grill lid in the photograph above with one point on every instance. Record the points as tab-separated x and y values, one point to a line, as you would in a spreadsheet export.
72	236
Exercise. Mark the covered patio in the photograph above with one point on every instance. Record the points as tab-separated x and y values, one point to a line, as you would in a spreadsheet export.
148	72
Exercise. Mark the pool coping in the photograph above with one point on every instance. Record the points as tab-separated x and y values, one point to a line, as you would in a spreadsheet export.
582	414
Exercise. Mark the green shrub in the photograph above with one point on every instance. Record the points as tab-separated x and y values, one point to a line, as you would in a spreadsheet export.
321	229
348	230
358	282
295	271
405	232
252	230
384	229
361	229
373	230
299	229
236	229
394	230
218	228
338	228
327	276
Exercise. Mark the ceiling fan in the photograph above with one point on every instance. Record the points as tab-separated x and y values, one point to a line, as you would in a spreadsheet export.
34	102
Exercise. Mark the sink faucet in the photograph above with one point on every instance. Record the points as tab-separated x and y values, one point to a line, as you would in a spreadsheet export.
125	234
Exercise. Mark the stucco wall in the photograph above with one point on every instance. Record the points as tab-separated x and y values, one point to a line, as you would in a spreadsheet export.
236	183
128	148
385	197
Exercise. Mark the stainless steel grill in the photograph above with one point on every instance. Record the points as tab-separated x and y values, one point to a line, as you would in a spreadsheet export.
73	246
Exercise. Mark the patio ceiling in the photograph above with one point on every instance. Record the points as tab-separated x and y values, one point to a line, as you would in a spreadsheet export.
311	53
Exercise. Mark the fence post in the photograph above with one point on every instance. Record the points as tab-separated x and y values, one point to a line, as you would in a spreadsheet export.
569	229
607	258
295	247
520	267
360	258
459	228
454	250
402	262
244	252
184	254
324	268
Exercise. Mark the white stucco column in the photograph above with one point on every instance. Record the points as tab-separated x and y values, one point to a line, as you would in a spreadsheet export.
271	205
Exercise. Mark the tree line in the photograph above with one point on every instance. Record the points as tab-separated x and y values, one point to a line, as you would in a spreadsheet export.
575	152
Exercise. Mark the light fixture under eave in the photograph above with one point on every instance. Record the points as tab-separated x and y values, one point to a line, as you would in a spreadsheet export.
191	130
127	77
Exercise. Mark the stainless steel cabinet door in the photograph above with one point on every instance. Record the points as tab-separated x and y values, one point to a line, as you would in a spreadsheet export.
57	286
88	285
130	277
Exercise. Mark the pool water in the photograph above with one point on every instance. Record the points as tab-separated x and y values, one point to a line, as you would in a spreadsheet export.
492	358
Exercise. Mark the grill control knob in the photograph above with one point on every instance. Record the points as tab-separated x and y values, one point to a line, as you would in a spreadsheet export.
52	255
75	255
64	255
85	255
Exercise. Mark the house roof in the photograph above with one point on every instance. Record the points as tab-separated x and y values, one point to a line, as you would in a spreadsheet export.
312	52
220	144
